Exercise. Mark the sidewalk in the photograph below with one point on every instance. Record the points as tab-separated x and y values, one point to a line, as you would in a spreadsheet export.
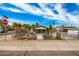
39	47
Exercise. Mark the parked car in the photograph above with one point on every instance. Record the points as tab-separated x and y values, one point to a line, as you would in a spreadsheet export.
3	31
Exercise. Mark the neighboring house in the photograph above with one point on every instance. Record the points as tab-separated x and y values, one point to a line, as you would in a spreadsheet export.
74	32
71	31
40	29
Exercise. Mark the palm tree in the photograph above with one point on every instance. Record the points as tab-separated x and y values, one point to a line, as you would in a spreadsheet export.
53	23
15	24
19	25
37	24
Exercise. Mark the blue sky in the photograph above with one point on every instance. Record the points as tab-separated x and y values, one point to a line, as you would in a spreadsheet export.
44	14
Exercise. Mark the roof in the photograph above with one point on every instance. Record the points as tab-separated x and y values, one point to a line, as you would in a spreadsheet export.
69	28
72	29
40	28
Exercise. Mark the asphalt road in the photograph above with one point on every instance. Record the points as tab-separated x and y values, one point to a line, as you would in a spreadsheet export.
39	53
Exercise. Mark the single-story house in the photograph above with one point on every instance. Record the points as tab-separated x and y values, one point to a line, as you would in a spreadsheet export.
40	29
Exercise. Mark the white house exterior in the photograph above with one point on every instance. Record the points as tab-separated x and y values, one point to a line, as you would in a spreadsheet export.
73	32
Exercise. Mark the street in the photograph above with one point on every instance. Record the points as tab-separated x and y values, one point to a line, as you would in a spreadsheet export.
39	47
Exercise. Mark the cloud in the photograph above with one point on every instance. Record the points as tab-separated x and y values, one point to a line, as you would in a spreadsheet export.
15	10
29	9
51	15
46	9
73	20
12	9
35	10
47	12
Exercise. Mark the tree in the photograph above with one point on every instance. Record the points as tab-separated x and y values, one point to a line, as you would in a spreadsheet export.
15	24
50	27
10	28
34	26
50	31
37	24
27	26
53	23
54	29
19	25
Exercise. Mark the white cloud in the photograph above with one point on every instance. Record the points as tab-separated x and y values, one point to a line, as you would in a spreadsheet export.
12	9
15	10
73	20
50	15
61	12
46	12
29	8
34	10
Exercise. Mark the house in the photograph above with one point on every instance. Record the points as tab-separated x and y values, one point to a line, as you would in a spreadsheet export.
72	32
69	31
40	29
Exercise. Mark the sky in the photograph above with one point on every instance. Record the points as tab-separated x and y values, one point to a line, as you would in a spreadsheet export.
45	14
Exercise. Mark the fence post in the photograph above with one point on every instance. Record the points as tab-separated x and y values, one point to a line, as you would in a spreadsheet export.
78	33
5	33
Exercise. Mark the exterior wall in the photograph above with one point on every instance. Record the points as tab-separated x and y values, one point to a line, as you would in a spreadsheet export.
73	33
